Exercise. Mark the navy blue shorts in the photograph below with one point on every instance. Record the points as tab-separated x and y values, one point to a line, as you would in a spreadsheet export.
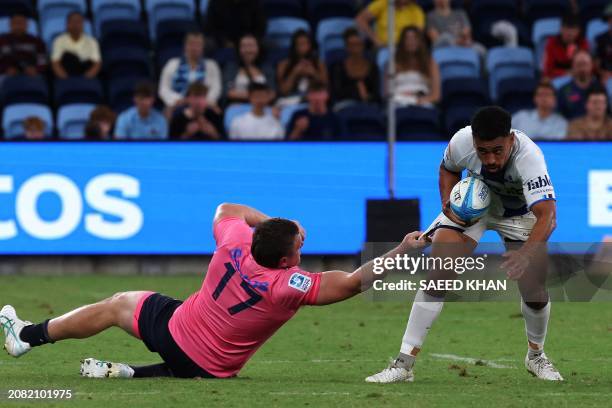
155	313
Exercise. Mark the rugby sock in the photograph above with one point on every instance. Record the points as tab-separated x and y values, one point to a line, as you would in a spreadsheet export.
425	310
36	334
536	323
154	370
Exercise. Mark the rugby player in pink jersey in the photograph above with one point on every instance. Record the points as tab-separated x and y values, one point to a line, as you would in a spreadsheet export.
253	286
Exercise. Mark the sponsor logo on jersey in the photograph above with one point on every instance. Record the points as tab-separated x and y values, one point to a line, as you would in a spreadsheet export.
300	282
541	182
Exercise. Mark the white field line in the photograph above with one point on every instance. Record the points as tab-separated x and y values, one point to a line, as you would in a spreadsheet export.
469	360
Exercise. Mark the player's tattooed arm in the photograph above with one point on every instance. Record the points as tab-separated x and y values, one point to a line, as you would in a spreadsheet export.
250	215
339	285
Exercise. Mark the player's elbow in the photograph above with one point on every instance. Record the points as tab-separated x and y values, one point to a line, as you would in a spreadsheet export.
225	210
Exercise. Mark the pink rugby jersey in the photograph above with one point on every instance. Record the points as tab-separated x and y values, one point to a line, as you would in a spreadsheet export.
240	304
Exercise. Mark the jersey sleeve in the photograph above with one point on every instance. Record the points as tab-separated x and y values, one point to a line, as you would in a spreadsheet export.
232	231
297	288
377	7
537	185
455	151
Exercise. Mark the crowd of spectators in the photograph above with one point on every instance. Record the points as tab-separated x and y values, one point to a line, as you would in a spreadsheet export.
195	90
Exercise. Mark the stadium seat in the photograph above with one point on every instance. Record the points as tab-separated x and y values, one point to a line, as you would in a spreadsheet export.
561	81
330	34
465	92
516	93
542	29
283	8
108	10
418	123
504	62
123	33
382	58
55	26
10	7
71	120
159	10
204	7
458	117
166	54
14	115
591	9
77	90
428	5
485	12
121	92
457	62
48	9
281	29
540	9
333	57
609	89
127	62
361	122
224	55
24	89
594	28
287	114
5	26
171	33
318	10
232	112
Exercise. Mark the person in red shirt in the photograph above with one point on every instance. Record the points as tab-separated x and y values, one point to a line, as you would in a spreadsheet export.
252	287
560	49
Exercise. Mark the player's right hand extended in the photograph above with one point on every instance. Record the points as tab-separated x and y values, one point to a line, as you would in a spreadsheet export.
412	241
446	209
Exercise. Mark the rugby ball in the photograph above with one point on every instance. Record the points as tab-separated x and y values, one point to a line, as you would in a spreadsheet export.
470	199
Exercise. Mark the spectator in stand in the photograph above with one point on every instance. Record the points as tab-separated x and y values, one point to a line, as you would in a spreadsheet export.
303	65
227	21
196	120
179	73
20	52
101	123
603	48
356	78
33	128
418	75
259	123
572	96
75	53
407	13
542	122
596	124
142	121
250	68
316	122
561	49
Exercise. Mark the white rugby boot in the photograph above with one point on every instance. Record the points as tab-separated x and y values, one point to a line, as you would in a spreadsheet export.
392	374
542	368
92	368
12	326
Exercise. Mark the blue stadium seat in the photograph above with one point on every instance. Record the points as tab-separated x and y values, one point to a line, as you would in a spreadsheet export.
330	33
127	62
121	92
283	8
542	30
318	10
609	89
382	58
361	122
232	112
288	111
465	92
561	81
160	10
55	26
485	12
204	7
77	90
504	62
123	33
594	28
59	8
516	93
418	123
108	10
590	9
539	9
333	57
428	5
224	55
10	7
5	26
71	120
162	56
14	115
24	89
457	62
281	29
458	117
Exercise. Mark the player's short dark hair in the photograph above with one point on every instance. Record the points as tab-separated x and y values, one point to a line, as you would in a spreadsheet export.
272	240
490	123
571	20
144	89
255	86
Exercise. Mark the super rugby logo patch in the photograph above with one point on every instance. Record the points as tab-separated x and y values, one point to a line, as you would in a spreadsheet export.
300	282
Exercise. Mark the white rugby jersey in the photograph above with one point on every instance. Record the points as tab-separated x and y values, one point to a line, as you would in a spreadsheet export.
523	182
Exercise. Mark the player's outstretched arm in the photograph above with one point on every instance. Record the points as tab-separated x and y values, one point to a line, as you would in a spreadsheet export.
337	286
250	215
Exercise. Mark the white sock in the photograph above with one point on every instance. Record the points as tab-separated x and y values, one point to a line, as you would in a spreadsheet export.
425	310
536	324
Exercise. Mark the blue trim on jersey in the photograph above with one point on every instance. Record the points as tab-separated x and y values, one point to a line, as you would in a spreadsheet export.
541	199
235	254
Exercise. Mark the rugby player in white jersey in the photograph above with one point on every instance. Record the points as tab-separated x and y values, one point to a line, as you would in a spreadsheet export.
522	212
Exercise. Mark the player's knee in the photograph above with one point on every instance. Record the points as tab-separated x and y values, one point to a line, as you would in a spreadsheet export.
117	302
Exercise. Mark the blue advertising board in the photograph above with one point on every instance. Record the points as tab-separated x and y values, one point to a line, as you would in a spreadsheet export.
159	198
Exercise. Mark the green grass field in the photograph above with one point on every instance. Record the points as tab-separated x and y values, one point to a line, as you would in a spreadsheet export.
321	357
